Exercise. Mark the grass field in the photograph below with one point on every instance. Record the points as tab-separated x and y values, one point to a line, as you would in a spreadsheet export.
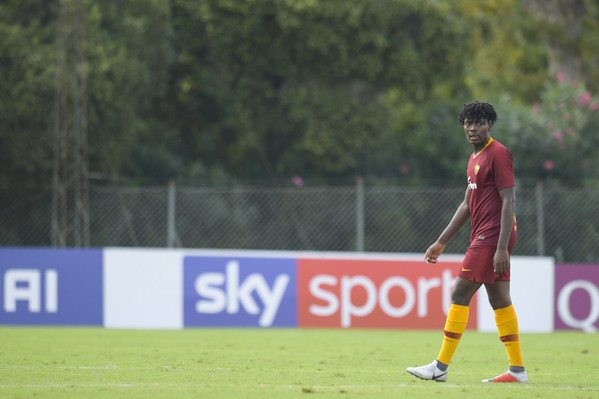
282	363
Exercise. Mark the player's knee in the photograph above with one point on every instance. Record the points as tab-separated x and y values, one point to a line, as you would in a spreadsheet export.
499	295
460	298
500	303
499	300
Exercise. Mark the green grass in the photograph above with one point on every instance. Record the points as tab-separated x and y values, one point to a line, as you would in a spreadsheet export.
282	363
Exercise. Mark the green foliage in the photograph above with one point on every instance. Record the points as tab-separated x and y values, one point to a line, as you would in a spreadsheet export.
506	52
428	144
556	137
27	59
589	45
297	86
128	51
222	90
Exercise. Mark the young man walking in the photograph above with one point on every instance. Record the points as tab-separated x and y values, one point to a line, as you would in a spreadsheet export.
489	203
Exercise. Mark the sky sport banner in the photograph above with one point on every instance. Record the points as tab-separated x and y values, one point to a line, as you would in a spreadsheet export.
316	292
366	293
239	292
51	287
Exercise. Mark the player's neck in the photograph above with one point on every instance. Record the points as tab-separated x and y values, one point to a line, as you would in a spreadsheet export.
478	148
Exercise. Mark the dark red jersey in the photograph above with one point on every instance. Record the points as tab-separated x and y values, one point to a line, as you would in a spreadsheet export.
489	172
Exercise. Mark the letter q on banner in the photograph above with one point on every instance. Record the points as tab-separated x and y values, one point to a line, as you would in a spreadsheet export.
577	297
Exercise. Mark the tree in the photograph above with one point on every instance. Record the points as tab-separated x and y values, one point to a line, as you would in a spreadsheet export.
569	28
27	60
505	52
217	91
277	88
128	48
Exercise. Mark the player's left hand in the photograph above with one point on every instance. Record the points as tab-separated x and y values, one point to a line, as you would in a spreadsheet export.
501	261
433	252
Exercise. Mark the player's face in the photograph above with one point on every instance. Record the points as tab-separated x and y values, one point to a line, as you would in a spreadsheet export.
477	132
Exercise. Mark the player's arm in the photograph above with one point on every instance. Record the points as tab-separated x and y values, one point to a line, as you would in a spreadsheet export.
501	260
462	214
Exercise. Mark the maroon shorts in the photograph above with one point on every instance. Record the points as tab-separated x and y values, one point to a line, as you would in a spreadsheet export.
478	265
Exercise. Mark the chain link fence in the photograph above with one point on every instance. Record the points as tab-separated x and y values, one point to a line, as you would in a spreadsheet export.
558	222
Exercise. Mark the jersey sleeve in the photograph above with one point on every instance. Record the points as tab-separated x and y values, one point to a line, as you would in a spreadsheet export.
503	164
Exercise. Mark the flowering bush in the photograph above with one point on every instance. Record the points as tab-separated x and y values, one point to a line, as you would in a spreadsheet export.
557	137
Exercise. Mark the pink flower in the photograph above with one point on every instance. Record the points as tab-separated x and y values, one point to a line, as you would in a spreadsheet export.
558	135
574	84
550	125
548	165
586	164
585	98
571	131
404	169
536	109
561	76
593	106
562	147
298	181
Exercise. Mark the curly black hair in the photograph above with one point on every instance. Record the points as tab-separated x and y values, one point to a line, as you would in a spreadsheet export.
477	111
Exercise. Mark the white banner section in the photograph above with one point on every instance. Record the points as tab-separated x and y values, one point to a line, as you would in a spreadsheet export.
143	288
532	290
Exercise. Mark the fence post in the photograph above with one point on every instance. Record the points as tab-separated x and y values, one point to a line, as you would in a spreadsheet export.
540	220
359	214
171	234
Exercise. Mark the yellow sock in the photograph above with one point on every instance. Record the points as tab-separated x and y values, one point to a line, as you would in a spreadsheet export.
457	318
507	328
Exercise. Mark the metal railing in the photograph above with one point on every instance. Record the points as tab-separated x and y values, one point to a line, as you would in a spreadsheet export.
558	222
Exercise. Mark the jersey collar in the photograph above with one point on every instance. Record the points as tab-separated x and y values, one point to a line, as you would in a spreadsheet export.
474	155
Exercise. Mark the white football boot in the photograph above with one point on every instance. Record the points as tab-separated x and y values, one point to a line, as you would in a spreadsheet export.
429	372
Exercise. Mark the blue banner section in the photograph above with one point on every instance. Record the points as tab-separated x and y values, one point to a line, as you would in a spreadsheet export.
227	291
51	287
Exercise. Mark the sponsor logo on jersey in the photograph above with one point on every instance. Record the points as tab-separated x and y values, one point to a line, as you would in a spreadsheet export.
471	186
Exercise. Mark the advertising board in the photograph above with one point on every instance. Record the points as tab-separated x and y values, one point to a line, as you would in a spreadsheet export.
532	292
51	287
239	291
181	288
369	293
577	297
143	288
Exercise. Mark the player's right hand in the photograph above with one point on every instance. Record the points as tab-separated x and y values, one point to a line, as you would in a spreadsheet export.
433	252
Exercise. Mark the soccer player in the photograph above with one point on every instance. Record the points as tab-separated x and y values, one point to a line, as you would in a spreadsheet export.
490	204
